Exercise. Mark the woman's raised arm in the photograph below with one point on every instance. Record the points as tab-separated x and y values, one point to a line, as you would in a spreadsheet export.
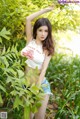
30	18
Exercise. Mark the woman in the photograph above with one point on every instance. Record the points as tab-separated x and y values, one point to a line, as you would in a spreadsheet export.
39	50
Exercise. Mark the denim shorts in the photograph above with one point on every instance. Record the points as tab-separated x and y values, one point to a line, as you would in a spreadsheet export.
46	87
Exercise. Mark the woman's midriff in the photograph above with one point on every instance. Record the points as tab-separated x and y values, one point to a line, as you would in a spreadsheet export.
32	74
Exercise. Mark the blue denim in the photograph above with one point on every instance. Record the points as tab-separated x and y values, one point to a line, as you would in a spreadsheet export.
46	86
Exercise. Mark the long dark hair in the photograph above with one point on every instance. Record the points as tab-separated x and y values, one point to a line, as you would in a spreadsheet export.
48	43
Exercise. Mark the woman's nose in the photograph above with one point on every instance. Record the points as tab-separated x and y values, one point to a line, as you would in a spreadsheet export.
43	33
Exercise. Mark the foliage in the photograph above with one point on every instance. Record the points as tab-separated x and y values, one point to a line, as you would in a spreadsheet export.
64	75
12	16
4	36
15	90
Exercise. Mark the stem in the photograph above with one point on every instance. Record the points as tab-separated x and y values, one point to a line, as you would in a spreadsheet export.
26	112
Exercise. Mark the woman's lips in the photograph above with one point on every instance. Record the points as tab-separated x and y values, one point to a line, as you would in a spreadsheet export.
42	37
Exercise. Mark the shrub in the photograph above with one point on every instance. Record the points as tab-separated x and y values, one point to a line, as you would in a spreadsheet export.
64	75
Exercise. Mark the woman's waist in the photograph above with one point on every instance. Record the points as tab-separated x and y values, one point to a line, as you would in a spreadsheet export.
33	64
32	70
34	73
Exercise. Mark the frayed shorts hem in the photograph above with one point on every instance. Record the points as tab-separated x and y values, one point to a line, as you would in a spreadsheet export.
46	87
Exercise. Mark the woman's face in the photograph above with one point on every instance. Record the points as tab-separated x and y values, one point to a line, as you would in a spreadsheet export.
42	33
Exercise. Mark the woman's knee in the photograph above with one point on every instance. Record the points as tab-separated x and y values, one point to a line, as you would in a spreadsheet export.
40	117
31	115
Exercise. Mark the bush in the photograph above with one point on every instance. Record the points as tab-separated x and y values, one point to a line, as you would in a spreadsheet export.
64	75
16	92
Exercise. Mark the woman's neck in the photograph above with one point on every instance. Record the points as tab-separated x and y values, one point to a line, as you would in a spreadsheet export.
38	42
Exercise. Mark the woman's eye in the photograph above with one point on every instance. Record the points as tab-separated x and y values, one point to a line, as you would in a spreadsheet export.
46	30
40	30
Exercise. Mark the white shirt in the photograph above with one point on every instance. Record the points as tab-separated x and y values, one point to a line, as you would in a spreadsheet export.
35	54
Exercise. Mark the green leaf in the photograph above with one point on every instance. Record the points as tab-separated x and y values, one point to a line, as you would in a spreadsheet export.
1	100
9	79
12	71
34	89
5	61
38	104
17	102
4	33
14	92
20	73
34	109
26	112
0	40
27	102
4	50
2	88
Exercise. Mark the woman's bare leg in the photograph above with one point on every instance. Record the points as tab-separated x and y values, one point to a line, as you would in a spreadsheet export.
31	115
41	112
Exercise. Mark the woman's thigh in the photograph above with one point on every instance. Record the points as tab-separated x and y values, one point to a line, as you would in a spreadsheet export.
41	112
31	115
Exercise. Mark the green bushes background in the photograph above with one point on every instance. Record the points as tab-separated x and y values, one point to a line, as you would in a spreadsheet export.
63	72
64	75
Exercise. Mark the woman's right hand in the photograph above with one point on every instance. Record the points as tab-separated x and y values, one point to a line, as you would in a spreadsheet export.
24	54
50	8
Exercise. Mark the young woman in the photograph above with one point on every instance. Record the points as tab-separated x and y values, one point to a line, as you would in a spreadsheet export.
38	51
